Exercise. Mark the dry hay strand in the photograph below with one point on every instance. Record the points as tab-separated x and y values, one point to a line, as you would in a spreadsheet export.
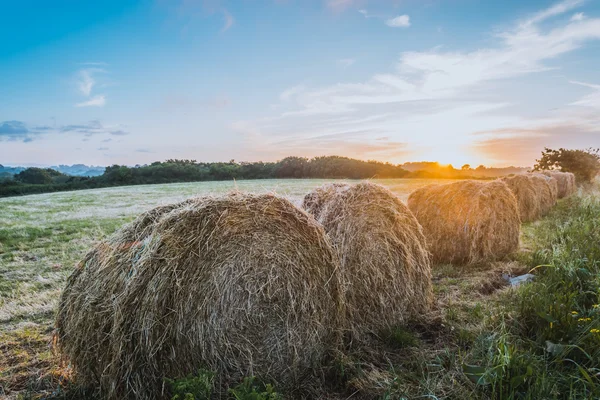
242	285
544	188
468	222
385	266
528	198
565	182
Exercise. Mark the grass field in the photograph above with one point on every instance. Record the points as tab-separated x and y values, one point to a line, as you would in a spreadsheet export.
470	333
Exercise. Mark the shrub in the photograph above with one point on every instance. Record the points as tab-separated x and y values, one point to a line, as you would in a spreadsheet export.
585	164
193	387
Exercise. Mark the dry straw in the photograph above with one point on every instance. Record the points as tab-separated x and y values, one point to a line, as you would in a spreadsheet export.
552	181
565	180
242	285
385	265
468	221
527	195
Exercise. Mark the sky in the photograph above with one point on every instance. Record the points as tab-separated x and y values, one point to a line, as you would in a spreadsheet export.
454	81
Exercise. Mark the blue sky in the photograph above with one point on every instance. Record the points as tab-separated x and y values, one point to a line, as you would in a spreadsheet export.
458	81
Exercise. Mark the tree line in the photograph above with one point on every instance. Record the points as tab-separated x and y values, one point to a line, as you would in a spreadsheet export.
41	180
584	163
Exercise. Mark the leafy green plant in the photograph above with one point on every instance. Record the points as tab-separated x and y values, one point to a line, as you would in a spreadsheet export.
250	389
193	387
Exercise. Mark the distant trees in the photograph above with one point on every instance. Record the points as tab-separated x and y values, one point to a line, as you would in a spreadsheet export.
38	176
585	164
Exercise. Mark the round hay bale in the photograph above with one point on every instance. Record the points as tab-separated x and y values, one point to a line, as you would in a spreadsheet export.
242	285
468	221
565	182
314	201
528	198
385	266
546	194
553	182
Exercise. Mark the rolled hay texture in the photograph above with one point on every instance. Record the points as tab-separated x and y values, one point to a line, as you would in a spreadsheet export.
553	182
527	195
385	266
565	181
468	221
242	285
546	193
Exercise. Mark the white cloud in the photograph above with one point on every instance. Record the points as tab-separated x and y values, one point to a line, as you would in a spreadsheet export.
591	99
95	101
228	21
556	9
290	92
401	21
578	17
345	62
86	81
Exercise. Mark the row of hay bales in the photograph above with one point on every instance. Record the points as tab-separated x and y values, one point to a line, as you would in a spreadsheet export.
244	285
537	193
252	285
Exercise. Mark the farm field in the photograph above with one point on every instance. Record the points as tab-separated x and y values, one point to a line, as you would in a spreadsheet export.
43	236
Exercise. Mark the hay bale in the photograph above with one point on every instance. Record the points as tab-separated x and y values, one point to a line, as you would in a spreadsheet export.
468	221
385	266
565	182
241	284
546	194
552	181
528	197
314	201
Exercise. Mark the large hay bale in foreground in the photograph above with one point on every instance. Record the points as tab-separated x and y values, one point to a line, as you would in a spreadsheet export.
242	285
527	195
546	193
385	266
565	180
468	221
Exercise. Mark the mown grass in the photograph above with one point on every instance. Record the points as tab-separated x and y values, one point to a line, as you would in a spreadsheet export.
483	340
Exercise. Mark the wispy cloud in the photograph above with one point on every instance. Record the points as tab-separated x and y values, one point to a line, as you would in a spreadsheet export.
557	9
339	5
13	128
228	21
95	101
401	21
589	100
86	81
18	130
578	17
94	128
345	62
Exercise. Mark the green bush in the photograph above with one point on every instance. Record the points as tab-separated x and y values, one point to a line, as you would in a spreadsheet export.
192	387
249	389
